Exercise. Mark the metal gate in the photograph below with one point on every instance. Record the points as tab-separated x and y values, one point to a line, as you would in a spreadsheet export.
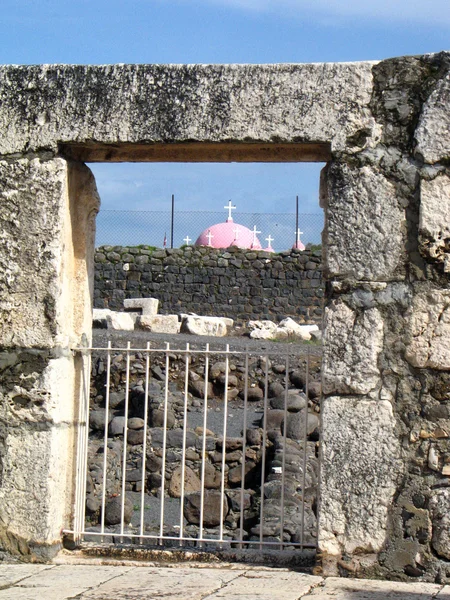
197	447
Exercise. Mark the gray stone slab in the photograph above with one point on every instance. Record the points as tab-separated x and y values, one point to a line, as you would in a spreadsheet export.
357	589
176	583
273	585
61	582
12	574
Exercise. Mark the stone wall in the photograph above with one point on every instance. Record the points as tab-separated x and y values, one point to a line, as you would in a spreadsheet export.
383	130
235	283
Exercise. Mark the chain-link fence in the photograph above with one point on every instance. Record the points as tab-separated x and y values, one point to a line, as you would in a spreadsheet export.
134	228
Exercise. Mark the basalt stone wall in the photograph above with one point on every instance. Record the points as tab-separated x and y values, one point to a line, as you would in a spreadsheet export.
235	283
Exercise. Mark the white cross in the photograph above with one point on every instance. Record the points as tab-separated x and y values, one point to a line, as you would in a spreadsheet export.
236	233
187	239
270	240
230	207
209	236
254	235
299	233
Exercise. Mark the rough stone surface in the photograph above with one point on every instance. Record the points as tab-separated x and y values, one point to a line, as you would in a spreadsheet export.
136	103
360	461
352	347
113	511
120	321
364	201
428	335
148	306
382	129
433	142
191	482
434	224
254	285
440	515
213	326
211	515
159	323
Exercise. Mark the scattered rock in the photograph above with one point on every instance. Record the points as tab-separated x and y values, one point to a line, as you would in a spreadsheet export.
295	428
113	510
191	482
120	321
212	326
212	505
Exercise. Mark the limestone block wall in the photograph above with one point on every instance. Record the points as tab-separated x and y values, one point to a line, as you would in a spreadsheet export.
386	379
383	129
235	283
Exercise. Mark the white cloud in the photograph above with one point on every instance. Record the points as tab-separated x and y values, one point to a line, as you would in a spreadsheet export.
430	12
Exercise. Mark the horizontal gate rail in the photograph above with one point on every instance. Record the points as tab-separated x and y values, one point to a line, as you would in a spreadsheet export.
270	511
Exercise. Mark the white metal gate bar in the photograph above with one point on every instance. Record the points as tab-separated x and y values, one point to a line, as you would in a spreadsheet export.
205	536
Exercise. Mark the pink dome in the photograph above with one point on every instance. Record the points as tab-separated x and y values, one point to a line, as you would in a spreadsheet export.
224	235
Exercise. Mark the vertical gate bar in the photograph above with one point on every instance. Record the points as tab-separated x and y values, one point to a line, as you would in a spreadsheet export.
263	463
224	443
87	389
283	474
105	446
183	455
305	441
205	421
125	441
244	449
80	455
144	444
76	518
163	466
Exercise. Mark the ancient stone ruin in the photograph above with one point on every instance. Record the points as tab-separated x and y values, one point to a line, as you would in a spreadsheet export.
383	130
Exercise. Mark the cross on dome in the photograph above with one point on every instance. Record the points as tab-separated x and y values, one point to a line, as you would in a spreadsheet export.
254	232
209	235
269	241
187	239
230	207
298	244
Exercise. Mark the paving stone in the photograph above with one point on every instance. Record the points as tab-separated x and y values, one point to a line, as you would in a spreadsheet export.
355	589
284	585
178	583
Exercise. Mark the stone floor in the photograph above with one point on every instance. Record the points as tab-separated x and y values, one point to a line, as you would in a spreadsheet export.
195	582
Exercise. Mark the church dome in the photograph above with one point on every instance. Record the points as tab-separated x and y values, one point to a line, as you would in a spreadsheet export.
224	235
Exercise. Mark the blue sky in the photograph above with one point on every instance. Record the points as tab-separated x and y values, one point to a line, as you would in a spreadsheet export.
216	31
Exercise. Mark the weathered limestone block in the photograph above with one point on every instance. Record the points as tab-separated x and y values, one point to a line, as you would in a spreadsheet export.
360	471
120	321
37	441
428	337
262	330
432	137
32	210
159	323
42	248
352	345
47	209
149	306
214	326
169	103
434	223
365	227
440	515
